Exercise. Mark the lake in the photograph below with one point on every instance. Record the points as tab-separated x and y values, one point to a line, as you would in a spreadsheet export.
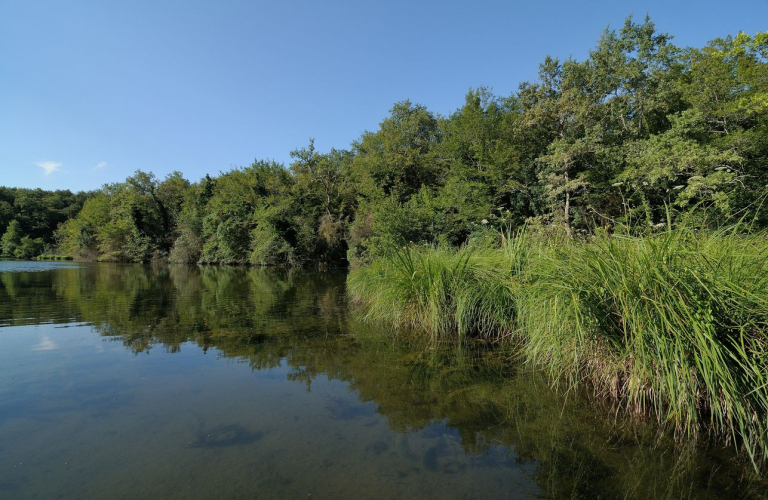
132	381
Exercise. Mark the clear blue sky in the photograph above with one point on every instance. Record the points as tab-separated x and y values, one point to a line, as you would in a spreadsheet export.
90	91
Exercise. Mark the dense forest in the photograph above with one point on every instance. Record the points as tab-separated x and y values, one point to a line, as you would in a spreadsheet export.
30	217
638	131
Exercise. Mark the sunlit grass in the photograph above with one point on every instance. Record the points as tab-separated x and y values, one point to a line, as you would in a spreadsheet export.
438	290
673	324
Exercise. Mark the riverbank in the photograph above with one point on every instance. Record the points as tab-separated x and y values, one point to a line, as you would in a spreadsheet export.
46	256
672	325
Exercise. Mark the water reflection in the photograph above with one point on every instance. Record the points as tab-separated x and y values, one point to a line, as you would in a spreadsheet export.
325	406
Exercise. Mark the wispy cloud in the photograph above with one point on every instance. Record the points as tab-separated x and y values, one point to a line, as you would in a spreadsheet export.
99	166
46	344
49	166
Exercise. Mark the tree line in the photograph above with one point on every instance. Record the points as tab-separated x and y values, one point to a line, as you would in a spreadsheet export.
30	217
639	131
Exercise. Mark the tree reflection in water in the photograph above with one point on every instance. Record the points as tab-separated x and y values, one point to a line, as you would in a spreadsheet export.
500	413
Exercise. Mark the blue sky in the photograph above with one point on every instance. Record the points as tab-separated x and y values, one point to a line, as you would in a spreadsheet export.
91	91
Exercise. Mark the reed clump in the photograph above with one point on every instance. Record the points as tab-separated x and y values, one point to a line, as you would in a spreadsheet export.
673	324
438	290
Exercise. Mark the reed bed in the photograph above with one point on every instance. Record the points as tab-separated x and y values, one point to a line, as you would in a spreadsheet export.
673	325
439	290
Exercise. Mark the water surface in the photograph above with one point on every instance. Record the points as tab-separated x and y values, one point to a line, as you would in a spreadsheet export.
129	381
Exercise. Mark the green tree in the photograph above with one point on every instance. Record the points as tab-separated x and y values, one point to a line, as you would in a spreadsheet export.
637	130
327	199
11	240
28	248
255	198
399	156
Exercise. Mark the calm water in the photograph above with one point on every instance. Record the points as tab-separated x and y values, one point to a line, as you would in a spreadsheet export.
123	381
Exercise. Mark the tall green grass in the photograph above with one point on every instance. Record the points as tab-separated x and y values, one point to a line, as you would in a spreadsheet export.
441	291
673	324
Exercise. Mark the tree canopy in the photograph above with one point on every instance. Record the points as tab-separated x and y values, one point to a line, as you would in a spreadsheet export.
639	131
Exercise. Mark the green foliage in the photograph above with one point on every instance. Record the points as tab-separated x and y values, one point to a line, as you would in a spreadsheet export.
399	158
188	247
37	214
636	129
45	256
270	248
78	236
11	240
438	290
674	324
14	245
29	248
241	201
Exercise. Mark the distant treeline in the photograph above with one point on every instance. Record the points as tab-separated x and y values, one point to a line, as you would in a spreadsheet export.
29	218
639	130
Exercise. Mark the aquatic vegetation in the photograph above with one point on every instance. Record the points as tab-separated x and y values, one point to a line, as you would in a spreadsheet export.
221	436
438	290
673	324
